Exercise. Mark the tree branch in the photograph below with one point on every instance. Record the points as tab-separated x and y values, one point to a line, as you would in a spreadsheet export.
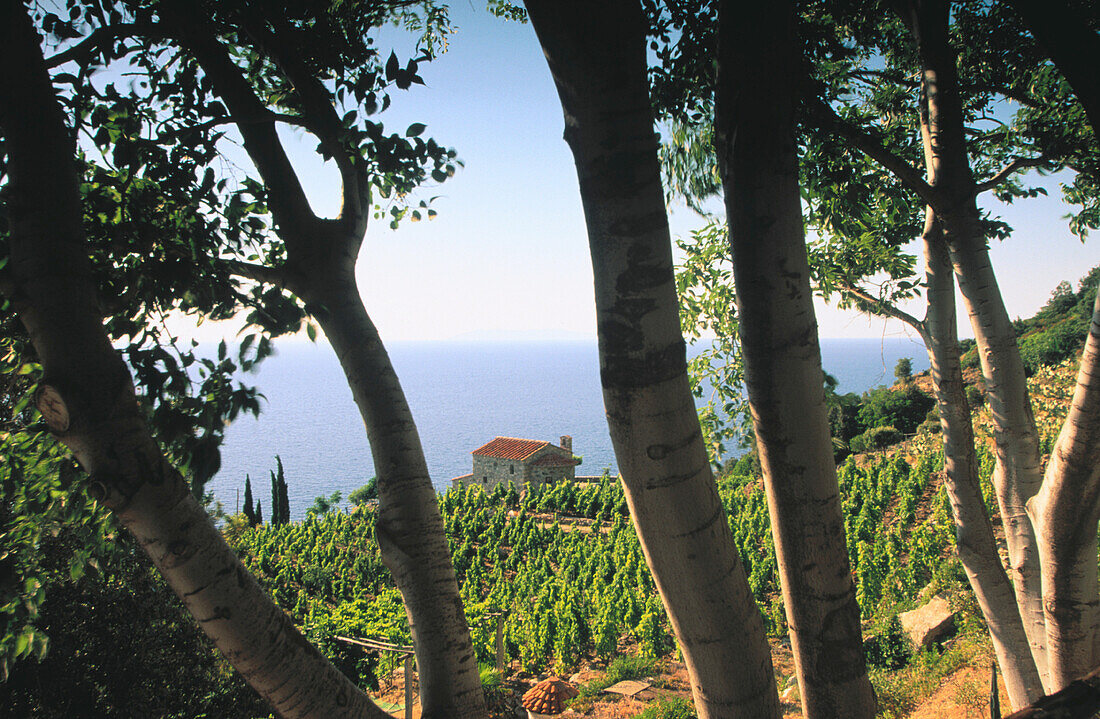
827	119
882	307
268	117
1017	95
1017	164
278	276
323	121
99	38
286	197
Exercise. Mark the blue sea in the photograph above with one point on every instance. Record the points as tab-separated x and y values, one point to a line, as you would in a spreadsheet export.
462	395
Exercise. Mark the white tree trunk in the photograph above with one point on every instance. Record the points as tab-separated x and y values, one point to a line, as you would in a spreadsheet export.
1017	475
409	526
1066	512
596	53
974	539
88	400
758	81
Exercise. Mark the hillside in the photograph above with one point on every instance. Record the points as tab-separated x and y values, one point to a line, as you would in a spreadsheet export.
562	571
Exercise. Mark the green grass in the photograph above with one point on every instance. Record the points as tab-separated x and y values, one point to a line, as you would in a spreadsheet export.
899	692
492	683
672	708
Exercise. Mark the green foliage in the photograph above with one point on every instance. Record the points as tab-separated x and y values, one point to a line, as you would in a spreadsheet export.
492	684
900	691
367	493
280	500
876	439
623	668
1053	344
1058	330
249	509
708	306
889	647
669	708
121	646
51	532
903	370
902	409
324	505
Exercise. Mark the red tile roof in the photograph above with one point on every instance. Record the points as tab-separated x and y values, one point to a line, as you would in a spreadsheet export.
463	478
554	460
510	448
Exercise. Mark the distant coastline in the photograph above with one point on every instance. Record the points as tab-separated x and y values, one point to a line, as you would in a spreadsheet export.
463	392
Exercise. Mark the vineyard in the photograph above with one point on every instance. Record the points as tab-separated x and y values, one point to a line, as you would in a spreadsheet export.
561	569
570	589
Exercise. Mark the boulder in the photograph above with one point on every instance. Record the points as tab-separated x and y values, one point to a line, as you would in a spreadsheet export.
929	623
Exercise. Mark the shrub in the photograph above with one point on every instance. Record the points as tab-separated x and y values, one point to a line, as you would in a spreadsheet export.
1052	345
492	684
889	649
364	494
876	439
903	370
903	409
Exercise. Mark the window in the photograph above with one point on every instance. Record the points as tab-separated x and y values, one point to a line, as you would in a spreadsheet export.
512	468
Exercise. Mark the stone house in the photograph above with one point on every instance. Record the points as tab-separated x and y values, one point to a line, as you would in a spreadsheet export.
524	462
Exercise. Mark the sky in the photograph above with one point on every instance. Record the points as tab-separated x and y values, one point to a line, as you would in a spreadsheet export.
507	256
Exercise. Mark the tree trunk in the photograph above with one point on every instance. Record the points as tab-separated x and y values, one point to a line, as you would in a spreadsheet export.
409	526
87	398
974	539
320	268
1017	474
1071	40
1066	512
596	53
758	79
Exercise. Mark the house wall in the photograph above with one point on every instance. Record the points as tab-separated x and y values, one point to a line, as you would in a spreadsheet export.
550	475
491	471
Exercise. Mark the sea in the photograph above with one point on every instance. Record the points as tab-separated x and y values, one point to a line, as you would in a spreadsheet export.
462	395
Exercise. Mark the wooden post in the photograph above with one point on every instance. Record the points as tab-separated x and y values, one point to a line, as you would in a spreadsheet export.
408	686
500	643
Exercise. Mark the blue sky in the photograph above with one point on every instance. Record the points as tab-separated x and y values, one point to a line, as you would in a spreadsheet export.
508	250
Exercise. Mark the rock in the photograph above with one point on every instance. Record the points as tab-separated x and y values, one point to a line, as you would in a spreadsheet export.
583	676
790	695
928	623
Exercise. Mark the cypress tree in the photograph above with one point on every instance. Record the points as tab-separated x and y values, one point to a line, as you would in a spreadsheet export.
249	512
276	515
259	513
284	499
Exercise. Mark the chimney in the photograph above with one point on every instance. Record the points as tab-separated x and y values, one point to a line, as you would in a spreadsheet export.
567	442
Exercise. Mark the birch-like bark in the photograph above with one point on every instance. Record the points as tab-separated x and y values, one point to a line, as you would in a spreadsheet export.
320	268
596	52
1066	512
758	78
1017	474
409	528
87	398
974	539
